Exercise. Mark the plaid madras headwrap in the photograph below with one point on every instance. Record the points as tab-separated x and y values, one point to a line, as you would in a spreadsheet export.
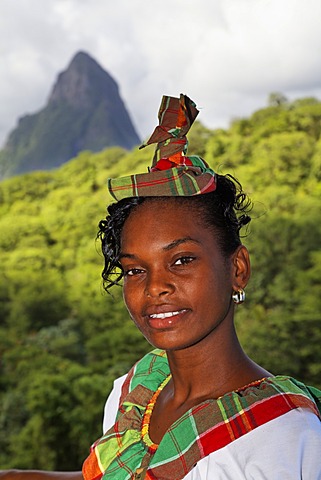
175	116
172	172
204	429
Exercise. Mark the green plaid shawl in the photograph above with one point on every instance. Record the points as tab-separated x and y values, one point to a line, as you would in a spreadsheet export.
209	426
172	173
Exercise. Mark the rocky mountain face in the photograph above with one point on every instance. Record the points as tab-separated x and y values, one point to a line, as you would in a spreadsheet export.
84	112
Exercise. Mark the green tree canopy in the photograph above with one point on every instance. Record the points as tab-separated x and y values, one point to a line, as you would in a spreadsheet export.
63	339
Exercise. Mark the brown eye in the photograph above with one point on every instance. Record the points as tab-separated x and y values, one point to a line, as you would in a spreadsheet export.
132	272
184	260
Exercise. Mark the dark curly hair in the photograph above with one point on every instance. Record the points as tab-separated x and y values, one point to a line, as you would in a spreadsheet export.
225	211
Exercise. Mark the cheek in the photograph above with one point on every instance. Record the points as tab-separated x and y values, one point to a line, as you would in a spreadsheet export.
126	298
130	297
214	288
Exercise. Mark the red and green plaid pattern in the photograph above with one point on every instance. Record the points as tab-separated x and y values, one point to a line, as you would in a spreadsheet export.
172	173
179	181
175	116
200	431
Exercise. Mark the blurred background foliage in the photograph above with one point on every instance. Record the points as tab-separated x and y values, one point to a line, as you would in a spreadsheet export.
63	340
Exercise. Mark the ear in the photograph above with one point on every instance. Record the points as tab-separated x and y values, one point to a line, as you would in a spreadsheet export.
241	271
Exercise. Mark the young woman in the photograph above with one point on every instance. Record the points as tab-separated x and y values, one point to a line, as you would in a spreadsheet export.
196	407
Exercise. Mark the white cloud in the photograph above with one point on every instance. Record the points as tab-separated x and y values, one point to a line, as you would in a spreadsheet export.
227	55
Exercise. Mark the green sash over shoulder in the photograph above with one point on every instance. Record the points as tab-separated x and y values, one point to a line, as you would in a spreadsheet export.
203	429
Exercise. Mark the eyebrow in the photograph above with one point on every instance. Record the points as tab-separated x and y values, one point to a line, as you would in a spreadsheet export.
126	255
179	241
170	246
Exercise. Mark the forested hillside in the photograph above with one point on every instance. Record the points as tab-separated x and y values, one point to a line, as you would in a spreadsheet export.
63	340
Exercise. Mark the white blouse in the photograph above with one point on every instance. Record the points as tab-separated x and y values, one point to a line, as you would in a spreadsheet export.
286	448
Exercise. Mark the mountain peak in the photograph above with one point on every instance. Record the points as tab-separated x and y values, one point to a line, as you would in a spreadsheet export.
83	82
84	112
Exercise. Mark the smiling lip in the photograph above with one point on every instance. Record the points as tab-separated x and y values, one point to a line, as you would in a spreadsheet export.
167	319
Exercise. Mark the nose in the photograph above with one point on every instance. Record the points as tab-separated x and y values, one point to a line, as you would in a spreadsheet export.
158	283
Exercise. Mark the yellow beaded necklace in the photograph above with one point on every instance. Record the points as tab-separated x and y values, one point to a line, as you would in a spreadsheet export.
152	447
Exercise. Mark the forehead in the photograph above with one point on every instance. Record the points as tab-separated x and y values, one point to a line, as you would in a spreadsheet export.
163	211
161	221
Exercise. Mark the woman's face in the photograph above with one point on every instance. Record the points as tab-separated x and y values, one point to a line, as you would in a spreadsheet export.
177	284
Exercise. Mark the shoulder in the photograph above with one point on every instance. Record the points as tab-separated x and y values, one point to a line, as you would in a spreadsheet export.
275	396
295	393
150	371
112	404
286	447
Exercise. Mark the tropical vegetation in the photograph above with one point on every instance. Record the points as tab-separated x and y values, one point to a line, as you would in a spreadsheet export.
63	339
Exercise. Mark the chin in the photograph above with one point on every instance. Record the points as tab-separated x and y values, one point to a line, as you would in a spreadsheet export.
168	344
163	342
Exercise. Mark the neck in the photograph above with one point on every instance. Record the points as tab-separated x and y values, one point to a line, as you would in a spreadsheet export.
209	371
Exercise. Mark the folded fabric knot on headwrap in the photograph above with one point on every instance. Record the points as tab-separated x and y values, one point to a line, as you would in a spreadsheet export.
172	172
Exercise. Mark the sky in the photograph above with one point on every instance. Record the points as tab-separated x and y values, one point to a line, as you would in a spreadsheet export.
227	55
